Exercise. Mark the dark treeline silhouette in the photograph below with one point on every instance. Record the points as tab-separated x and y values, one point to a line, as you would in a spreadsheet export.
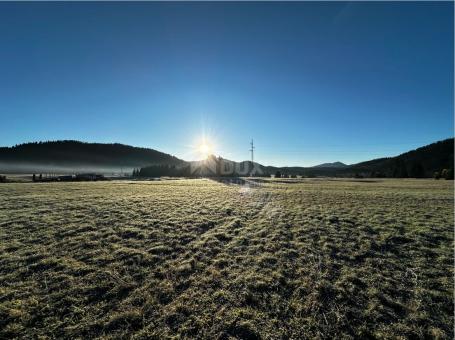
164	170
425	162
420	163
69	152
190	170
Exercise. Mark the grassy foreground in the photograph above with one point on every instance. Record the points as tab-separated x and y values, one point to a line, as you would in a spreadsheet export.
202	259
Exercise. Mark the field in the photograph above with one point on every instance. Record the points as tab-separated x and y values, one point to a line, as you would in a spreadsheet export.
204	259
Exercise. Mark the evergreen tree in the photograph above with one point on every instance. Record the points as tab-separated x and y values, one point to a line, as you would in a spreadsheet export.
399	170
417	170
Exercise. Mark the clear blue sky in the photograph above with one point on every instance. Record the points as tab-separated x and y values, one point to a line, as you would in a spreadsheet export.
310	82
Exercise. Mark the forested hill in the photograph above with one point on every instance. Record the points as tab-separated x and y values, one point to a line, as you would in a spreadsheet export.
69	153
421	162
74	156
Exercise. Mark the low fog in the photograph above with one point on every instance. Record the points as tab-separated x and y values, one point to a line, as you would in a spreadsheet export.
28	168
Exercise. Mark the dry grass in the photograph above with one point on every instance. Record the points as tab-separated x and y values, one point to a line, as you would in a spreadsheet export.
197	258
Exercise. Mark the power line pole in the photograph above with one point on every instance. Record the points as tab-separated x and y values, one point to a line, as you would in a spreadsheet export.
252	151
252	157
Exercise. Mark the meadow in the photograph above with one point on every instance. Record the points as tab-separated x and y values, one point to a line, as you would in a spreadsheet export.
272	259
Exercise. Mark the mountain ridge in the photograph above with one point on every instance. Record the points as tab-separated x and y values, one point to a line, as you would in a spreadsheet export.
68	154
72	156
336	164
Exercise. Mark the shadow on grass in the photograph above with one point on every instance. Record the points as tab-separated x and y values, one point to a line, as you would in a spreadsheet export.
229	180
245	182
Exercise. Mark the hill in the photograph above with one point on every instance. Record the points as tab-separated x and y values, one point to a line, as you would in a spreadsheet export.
421	162
70	156
331	165
75	156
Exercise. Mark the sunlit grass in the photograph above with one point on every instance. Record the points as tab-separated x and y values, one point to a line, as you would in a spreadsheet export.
197	258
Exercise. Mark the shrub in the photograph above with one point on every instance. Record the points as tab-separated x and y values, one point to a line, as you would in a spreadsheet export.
447	173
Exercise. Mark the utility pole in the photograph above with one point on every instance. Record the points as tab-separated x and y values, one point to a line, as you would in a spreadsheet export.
252	151
252	158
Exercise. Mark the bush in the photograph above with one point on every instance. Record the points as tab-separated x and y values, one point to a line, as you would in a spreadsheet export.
436	175
447	173
278	174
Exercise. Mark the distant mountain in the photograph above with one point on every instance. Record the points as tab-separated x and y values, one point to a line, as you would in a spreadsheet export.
331	165
70	156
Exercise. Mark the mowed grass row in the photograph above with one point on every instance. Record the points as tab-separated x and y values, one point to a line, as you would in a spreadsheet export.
202	259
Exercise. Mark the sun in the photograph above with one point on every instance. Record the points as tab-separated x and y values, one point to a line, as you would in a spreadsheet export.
205	149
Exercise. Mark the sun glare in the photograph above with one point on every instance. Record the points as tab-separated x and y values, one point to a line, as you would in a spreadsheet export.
204	149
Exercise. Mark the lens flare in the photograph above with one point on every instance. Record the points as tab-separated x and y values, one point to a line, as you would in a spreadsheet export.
205	148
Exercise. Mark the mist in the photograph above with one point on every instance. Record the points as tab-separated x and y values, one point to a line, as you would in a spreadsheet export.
30	168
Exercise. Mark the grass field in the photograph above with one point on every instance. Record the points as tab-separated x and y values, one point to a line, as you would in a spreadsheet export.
202	259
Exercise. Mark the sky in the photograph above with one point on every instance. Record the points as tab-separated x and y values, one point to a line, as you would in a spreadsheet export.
309	82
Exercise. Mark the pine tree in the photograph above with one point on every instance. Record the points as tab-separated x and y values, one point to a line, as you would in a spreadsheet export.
417	170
